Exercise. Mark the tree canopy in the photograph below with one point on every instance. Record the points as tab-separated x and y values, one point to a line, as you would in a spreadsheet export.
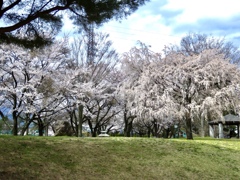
140	92
180	88
195	43
32	23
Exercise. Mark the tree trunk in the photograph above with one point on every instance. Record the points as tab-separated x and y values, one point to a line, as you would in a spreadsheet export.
156	128
95	129
53	129
28	121
25	128
172	132
125	119
128	124
5	120
166	133
94	133
90	125
189	127
188	119
15	123
128	129
40	129
149	132
46	130
80	119
74	126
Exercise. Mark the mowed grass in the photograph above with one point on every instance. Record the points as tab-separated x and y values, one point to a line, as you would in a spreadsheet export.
118	158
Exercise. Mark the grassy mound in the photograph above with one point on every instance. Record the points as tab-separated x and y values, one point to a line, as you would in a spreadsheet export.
118	158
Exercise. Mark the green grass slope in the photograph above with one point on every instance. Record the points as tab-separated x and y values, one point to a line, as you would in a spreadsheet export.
118	158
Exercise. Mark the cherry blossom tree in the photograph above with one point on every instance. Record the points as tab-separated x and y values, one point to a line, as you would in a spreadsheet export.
97	101
133	64
195	43
28	82
184	87
14	76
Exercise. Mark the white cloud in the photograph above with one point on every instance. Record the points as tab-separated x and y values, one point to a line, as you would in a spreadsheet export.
160	23
68	26
143	26
196	9
150	26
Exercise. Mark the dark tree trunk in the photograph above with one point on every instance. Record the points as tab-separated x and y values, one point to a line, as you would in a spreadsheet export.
40	129
189	127
75	123
149	132
188	119
94	133
15	123
53	129
166	133
25	128
156	128
80	119
172	132
128	128
128	124
74	126
94	130
90	125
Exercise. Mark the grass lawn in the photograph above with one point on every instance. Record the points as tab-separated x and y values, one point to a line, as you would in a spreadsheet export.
118	158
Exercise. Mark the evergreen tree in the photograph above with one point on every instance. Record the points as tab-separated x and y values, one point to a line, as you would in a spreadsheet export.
33	23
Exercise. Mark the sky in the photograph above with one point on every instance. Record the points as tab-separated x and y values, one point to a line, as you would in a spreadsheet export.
164	22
